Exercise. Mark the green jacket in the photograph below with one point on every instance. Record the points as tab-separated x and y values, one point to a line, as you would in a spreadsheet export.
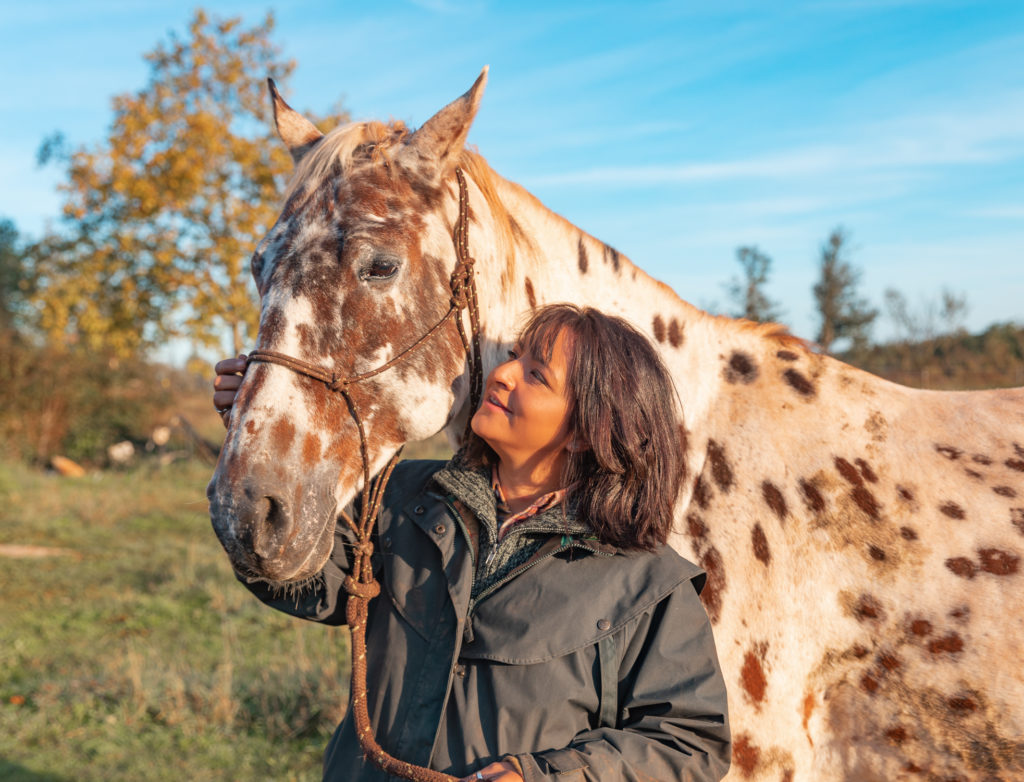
586	663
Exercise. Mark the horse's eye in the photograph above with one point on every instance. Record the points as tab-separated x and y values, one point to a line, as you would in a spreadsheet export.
380	269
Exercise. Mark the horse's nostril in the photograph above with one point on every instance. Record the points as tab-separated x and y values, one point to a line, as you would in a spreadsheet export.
271	526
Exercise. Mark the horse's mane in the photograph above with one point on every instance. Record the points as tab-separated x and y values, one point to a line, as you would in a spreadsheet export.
350	146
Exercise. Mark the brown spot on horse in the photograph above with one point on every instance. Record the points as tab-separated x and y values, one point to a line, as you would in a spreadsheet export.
741	368
876	553
869	684
531	297
812	497
282	433
658	327
675	333
889	661
760	543
952	510
963	704
951	643
866	608
701	493
998	562
808	709
696	527
905	494
310	449
950	452
962	567
787	355
773	499
721	470
752	674
961	613
1005	491
1015	464
908	533
612	255
867	502
745	754
866	471
921	627
979	458
582	259
712	563
896	735
1017	519
848	471
799	383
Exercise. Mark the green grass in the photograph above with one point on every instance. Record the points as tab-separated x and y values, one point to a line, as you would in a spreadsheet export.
136	655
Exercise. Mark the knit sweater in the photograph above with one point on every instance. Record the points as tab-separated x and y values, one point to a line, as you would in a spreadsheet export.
496	559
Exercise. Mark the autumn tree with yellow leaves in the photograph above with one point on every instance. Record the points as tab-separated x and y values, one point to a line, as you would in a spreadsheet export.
160	218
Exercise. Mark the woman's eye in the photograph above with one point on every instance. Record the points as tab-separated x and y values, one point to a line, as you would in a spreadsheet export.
380	269
512	355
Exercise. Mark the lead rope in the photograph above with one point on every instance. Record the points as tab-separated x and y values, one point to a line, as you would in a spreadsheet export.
360	584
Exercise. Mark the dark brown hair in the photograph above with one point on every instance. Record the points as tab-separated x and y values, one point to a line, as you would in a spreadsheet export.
623	407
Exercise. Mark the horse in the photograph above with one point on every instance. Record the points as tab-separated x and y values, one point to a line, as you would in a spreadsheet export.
862	540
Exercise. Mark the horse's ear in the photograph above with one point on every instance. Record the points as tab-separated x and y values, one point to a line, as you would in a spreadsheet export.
297	132
436	145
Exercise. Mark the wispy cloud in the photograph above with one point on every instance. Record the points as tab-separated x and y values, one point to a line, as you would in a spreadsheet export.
450	6
989	135
1003	212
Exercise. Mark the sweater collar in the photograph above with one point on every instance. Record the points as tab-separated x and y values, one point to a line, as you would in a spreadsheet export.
472	486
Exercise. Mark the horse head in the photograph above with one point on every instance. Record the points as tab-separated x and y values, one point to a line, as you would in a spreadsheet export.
356	269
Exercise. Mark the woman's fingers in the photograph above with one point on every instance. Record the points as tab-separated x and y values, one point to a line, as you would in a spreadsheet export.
222	399
230	366
227	382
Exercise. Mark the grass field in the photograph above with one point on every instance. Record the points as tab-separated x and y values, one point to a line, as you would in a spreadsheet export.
133	654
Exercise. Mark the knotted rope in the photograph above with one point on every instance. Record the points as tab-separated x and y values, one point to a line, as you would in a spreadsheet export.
360	584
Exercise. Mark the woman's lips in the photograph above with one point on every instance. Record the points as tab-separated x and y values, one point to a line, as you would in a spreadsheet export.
493	401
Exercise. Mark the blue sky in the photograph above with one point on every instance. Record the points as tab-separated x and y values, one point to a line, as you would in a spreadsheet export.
675	131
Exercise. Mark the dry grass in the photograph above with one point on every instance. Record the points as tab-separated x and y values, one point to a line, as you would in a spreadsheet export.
136	655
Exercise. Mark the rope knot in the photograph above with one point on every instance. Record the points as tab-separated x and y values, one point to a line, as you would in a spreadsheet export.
359	589
338	383
460	281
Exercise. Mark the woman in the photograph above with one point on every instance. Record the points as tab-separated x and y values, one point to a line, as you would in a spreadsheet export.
533	623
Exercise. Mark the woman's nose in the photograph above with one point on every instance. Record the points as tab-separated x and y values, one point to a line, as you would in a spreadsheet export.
505	373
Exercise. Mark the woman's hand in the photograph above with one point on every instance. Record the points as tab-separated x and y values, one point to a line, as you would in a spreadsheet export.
226	383
499	771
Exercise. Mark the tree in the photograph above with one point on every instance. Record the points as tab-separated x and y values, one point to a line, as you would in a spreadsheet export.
842	313
933	318
13	281
162	216
748	292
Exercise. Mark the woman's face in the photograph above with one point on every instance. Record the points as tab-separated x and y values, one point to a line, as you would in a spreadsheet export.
525	408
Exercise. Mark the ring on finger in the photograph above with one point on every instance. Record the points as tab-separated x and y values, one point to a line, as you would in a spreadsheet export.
222	410
479	775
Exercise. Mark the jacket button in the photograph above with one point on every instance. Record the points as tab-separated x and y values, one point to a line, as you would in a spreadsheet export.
604	624
419	510
460	670
439	529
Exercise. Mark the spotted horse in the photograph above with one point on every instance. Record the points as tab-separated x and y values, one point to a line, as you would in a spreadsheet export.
862	540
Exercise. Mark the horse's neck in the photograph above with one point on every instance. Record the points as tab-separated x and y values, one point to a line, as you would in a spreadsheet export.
555	261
